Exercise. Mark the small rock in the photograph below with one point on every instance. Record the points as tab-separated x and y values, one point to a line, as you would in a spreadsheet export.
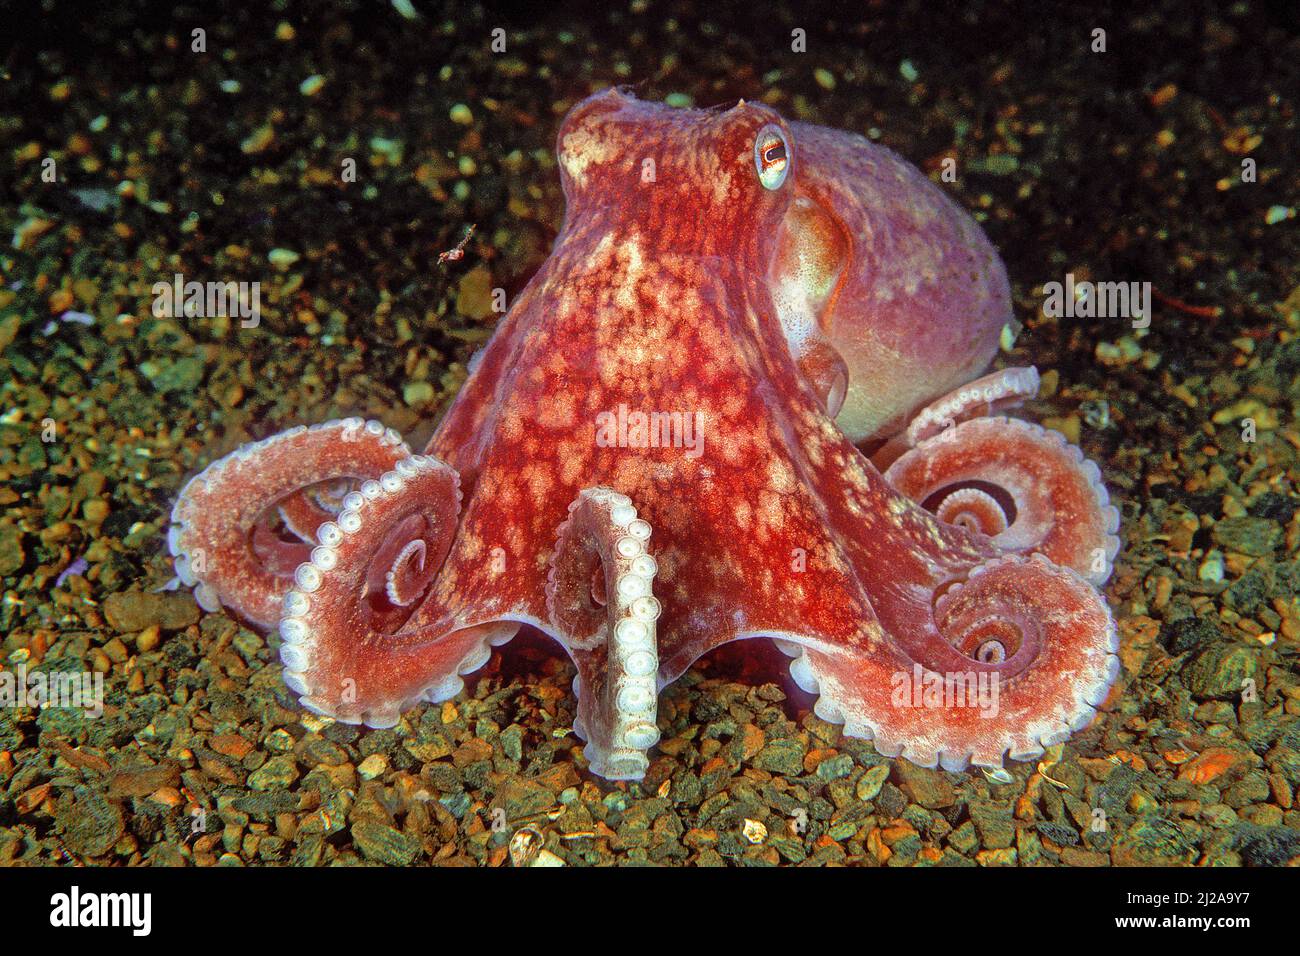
1153	841
1219	815
1267	846
1074	856
512	742
1219	672
474	293
1247	535
417	393
278	773
90	824
784	756
1058	833
130	611
1251	590
1252	788
869	783
182	376
142	781
750	740
1188	634
835	768
282	258
1211	764
993	823
1211	569
383	844
964	839
929	788
522	798
754	831
12	554
258	140
891	800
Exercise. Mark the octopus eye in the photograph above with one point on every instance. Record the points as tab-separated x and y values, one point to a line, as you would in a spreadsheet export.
771	157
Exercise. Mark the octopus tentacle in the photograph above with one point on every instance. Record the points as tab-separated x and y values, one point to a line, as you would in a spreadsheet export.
1022	485
307	509
344	649
222	543
994	392
300	514
600	596
1023	653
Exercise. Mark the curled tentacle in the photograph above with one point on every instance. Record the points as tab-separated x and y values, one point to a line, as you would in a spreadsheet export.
974	510
281	549
222	535
304	511
600	594
1021	655
994	392
373	566
1024	486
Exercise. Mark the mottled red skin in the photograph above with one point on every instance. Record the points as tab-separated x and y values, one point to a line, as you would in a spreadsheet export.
658	296
691	337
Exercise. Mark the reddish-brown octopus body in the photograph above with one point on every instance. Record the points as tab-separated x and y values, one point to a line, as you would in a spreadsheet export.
655	455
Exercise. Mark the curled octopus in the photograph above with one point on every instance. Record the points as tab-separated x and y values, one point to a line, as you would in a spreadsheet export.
660	451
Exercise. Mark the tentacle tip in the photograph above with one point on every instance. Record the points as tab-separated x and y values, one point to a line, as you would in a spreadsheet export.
620	765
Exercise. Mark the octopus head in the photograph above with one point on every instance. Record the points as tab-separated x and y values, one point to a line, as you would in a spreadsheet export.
696	182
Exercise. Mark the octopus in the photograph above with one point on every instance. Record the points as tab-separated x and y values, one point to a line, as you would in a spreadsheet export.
746	396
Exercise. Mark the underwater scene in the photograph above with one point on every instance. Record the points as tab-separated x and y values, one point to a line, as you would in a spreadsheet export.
684	435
